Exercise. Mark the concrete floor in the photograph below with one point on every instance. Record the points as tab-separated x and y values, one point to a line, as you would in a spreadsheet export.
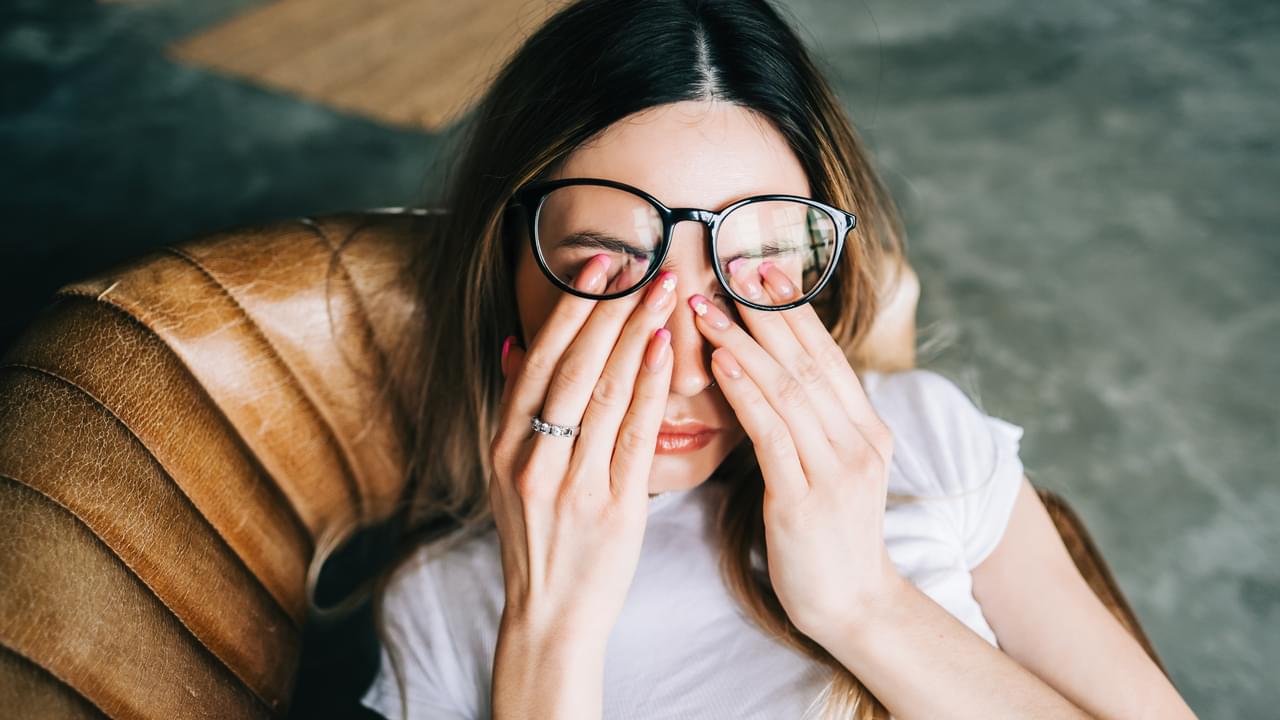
1089	189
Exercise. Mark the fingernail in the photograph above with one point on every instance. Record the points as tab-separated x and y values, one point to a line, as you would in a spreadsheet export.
657	353
778	282
506	350
727	364
742	278
661	290
594	274
709	312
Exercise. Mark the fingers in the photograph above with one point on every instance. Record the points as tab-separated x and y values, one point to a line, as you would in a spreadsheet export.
512	357
604	434
502	448
775	384
580	367
774	331
636	440
816	340
771	435
577	378
505	504
542	357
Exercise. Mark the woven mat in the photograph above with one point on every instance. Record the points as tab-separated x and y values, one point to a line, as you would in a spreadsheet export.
415	63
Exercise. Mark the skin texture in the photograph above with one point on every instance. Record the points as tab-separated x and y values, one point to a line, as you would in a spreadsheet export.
687	155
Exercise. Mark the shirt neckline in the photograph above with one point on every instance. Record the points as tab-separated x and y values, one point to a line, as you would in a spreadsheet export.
670	498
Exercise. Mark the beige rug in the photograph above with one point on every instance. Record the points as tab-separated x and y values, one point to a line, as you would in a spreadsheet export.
416	63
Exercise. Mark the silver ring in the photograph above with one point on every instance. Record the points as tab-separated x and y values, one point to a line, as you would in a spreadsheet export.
546	428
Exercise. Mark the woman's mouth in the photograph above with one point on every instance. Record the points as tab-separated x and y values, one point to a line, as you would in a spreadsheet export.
683	437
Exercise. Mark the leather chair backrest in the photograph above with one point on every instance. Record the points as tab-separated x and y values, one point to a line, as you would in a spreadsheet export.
180	438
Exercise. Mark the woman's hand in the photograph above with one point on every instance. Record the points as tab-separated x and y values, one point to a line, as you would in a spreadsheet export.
571	512
823	451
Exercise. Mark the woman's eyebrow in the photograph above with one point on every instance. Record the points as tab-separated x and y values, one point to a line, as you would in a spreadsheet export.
602	241
593	239
597	240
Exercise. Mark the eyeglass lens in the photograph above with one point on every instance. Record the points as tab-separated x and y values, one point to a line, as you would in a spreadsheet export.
578	222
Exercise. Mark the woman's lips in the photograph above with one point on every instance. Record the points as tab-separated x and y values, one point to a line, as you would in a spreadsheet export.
687	426
683	437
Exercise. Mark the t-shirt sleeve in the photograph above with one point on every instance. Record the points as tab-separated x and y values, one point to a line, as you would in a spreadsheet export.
417	629
974	459
989	507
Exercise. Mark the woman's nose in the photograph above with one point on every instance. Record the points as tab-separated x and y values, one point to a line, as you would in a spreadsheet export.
690	350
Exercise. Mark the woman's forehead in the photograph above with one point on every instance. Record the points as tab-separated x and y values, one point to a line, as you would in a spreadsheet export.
693	154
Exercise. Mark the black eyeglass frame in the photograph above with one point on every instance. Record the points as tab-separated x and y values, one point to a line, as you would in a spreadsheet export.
532	195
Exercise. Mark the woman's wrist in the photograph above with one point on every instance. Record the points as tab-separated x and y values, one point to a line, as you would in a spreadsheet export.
876	607
551	626
547	670
557	636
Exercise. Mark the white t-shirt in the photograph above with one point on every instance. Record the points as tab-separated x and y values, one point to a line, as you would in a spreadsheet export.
682	648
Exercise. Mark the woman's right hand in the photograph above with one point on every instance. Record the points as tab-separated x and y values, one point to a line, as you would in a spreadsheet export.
571	512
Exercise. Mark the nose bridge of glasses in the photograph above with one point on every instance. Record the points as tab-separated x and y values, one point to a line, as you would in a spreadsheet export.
681	214
703	217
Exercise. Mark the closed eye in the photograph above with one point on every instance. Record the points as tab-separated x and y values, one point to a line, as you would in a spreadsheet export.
593	240
767	249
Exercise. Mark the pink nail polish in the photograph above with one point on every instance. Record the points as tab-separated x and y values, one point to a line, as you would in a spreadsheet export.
506	348
724	359
782	287
594	281
710	313
657	352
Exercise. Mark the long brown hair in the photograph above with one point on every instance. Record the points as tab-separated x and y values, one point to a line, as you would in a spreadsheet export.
591	64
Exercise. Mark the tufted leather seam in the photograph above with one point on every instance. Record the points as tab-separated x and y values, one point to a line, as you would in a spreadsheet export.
273	486
348	475
169	476
356	299
4	647
132	571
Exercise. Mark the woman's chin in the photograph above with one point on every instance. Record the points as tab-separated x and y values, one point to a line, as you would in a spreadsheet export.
682	471
681	466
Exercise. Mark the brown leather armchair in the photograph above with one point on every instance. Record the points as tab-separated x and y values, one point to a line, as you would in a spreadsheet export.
182	435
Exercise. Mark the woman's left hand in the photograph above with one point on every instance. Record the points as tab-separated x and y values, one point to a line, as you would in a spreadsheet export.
823	451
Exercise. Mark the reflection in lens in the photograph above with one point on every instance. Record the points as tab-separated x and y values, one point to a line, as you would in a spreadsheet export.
578	222
798	238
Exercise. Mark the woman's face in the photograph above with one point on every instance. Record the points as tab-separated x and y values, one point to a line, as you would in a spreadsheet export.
700	154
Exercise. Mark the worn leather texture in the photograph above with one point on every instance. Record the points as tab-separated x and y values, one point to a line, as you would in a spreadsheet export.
182	434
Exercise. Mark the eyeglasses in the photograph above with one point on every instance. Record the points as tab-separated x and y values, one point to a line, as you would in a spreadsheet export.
570	220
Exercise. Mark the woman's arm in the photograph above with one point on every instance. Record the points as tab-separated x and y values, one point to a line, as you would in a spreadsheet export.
542	673
1051	621
922	663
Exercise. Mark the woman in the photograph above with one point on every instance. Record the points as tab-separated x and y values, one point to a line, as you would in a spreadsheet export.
671	493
